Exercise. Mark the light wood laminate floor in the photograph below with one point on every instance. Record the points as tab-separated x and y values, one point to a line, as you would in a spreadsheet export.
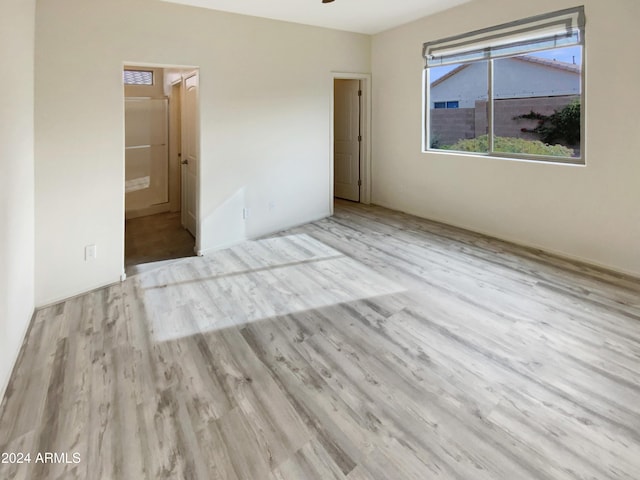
371	345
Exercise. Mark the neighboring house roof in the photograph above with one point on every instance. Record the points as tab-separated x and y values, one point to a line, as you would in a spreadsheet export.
567	67
447	76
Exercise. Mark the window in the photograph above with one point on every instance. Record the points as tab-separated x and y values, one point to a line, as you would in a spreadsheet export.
518	90
454	104
137	77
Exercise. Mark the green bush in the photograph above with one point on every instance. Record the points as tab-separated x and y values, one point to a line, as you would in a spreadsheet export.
435	141
561	125
510	145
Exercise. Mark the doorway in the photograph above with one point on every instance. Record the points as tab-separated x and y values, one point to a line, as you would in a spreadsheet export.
161	165
347	137
351	137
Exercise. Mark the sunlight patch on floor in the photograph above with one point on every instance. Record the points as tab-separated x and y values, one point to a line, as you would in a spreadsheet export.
254	281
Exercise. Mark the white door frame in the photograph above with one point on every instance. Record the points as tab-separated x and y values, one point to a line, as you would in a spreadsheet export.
175	144
365	128
185	69
183	192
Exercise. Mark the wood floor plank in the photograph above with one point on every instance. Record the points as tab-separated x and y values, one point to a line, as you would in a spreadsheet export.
366	346
311	461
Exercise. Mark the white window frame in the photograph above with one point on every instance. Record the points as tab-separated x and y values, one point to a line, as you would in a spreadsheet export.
494	43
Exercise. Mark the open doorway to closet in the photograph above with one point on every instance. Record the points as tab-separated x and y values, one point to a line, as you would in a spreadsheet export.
161	165
351	137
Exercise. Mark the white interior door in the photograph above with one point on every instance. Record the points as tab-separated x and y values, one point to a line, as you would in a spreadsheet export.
346	136
146	153
190	153
175	148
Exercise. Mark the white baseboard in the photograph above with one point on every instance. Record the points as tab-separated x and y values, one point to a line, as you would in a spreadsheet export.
525	244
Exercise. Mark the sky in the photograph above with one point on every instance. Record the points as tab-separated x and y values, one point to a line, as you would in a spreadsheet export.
568	55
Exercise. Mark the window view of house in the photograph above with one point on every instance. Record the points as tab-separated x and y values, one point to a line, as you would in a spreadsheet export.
519	96
530	92
469	84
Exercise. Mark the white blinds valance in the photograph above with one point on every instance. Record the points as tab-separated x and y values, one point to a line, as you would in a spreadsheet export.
559	29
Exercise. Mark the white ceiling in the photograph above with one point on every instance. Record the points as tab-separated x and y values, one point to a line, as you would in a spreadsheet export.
363	16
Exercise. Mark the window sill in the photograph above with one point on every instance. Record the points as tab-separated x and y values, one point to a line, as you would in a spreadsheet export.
572	162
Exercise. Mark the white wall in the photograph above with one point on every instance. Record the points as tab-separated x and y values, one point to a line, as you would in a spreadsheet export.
590	212
16	179
265	115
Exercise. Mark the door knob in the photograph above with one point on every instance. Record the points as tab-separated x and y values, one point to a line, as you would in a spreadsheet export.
185	162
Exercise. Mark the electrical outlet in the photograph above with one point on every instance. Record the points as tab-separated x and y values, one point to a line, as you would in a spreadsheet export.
272	205
90	252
